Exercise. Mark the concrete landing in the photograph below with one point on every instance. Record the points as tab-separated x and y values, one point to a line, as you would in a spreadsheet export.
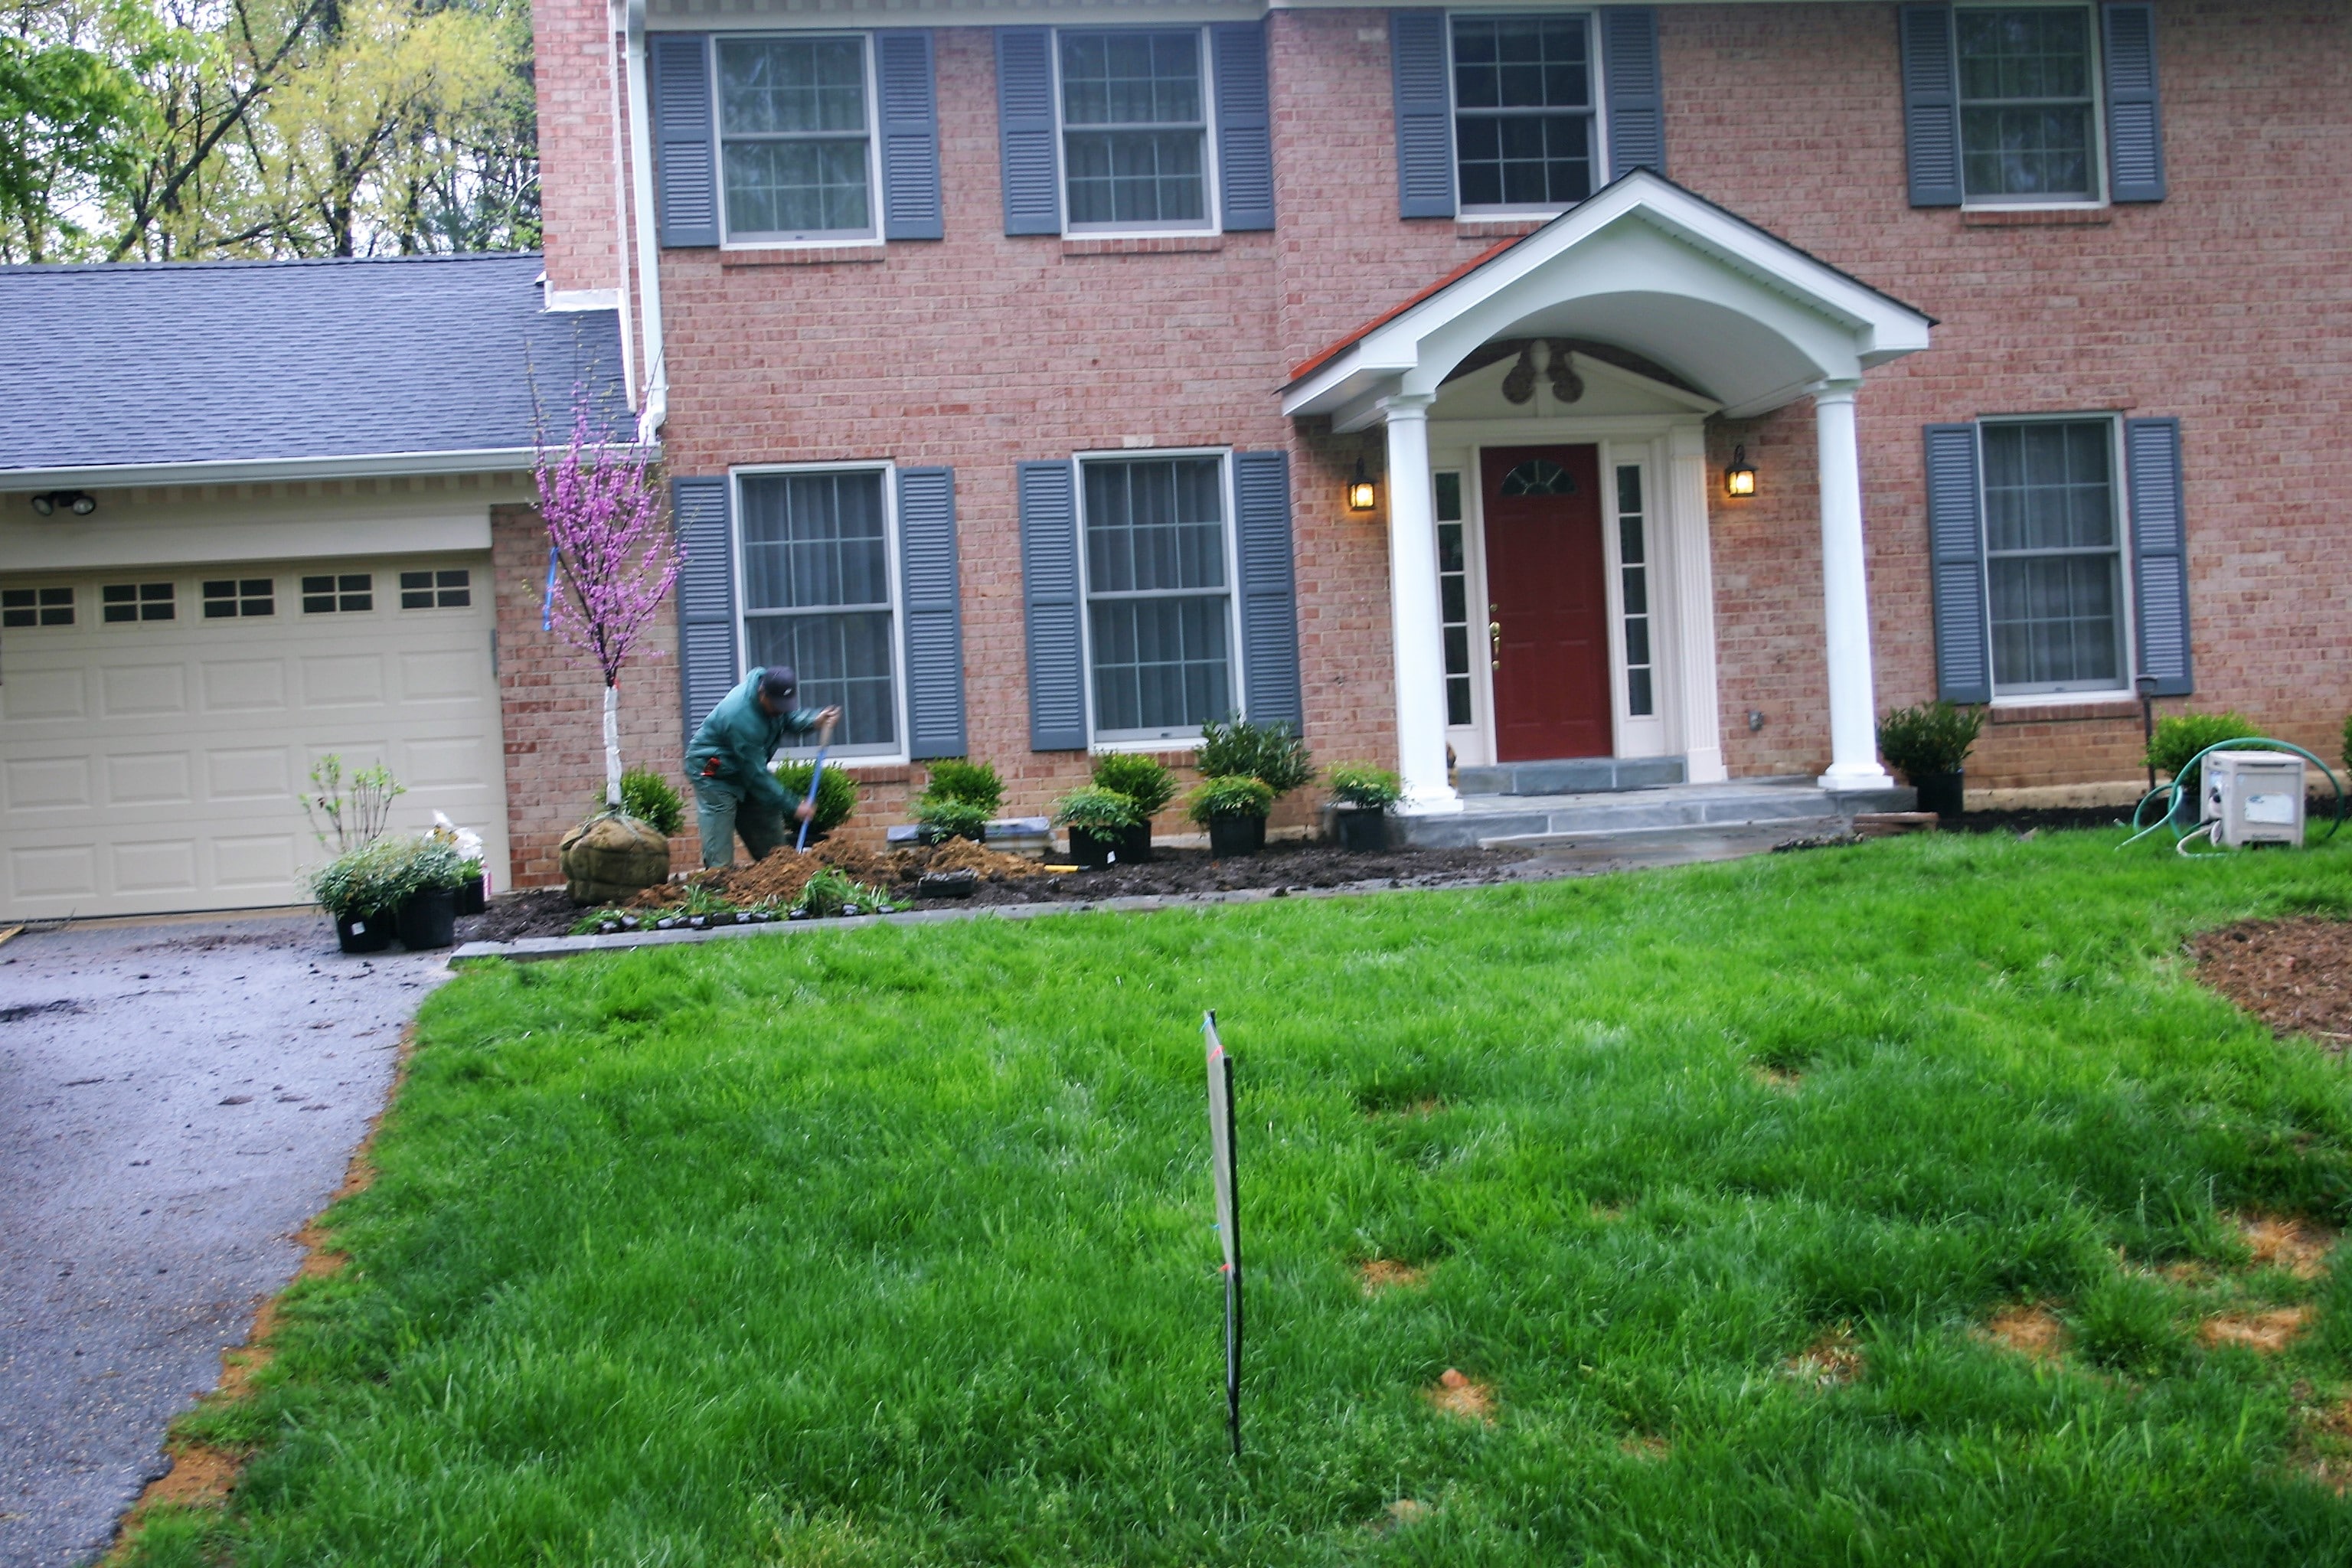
1544	819
1571	776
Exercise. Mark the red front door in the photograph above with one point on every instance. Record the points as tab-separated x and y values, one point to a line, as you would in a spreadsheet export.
1546	579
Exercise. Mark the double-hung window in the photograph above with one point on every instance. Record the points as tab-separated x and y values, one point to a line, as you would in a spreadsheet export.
2027	103
815	553
1525	133
2054	556
796	138
1135	128
1158	596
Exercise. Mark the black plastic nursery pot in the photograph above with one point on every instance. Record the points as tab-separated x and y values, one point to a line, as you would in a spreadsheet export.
1943	793
1233	835
470	900
427	920
363	933
1137	845
1097	845
1360	831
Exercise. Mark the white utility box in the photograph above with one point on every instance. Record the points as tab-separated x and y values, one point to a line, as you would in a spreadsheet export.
2253	797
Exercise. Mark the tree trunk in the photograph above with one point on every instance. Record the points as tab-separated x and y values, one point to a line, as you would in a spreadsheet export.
612	745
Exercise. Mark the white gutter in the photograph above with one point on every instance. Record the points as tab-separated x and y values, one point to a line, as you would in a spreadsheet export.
259	471
656	410
612	67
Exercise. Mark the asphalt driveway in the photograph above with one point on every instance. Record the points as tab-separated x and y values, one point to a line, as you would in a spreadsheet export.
175	1100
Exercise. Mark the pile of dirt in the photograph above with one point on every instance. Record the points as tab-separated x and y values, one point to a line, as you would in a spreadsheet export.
2294	974
778	877
963	854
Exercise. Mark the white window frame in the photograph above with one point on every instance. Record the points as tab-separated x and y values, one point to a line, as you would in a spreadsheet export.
1591	21
1173	739
897	752
731	239
2128	576
1474	602
1636	734
438	588
74	621
2098	69
1212	185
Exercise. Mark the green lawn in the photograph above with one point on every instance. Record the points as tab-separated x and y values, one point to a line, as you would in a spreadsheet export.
893	1246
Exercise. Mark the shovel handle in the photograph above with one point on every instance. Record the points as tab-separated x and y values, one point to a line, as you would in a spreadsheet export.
817	771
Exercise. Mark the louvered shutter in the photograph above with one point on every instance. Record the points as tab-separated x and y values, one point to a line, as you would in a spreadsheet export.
910	134
1931	105
1269	591
1025	130
1244	126
706	595
1637	101
2159	551
684	138
1049	584
2135	122
1957	569
934	612
1424	114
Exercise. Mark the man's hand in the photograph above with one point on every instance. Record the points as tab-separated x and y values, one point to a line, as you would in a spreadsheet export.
805	810
826	721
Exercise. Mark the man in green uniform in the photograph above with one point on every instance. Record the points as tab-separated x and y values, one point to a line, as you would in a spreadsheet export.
733	790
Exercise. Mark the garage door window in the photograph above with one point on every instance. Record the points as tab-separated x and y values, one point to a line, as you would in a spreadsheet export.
228	597
137	602
36	608
436	590
346	592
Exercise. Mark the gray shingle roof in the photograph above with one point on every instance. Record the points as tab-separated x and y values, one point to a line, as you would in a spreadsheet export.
227	361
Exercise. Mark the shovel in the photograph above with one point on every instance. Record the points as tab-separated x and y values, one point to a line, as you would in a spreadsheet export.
817	771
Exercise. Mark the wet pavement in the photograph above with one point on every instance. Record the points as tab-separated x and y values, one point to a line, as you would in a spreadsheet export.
175	1100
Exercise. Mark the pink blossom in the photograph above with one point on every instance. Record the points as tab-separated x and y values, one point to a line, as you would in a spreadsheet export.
616	556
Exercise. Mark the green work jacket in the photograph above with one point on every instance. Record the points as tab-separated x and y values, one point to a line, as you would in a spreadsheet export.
740	737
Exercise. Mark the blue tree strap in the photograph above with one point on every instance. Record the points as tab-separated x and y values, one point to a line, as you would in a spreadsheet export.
546	605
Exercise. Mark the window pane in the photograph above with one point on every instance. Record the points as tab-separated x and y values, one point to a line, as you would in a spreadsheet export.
1132	78
2030	152
1628	488
2024	53
768	85
1457	700
1155	523
814	541
2054	621
1136	176
796	187
1525	161
1535	62
1160	664
1449	499
2048	486
843	660
1639	702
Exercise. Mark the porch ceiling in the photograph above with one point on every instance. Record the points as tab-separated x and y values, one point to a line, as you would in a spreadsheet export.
1649	267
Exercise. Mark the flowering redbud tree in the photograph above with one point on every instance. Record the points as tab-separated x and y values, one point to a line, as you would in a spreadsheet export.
612	557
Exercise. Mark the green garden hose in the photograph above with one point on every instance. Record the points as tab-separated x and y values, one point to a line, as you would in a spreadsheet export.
2173	793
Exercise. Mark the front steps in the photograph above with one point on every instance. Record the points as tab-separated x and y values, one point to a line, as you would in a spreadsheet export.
1568	819
1571	776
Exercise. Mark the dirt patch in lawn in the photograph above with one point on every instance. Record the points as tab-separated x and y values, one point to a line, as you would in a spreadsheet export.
1647	1446
1830	1361
2328	1445
2268	1332
1457	1395
2034	1332
1389	1274
2294	974
2296	1245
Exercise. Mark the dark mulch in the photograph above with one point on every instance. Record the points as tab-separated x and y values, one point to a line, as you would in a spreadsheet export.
537	912
2319	810
2294	974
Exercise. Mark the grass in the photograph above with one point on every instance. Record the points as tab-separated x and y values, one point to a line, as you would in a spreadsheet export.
892	1247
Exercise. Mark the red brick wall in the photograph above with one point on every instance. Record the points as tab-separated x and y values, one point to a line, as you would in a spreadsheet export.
571	46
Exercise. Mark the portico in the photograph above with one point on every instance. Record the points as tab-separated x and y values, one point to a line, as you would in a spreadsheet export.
1548	491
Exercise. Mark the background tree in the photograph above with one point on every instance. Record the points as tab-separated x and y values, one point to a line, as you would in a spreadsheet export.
75	116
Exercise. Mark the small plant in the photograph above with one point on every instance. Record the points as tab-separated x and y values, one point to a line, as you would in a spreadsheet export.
1236	747
1098	810
1364	787
836	793
831	892
1933	738
2127	1322
464	840
377	877
959	779
2180	736
1146	783
357	819
1230	797
649	797
944	819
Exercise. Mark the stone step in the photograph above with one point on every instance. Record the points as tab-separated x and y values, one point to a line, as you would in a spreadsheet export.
1570	775
1517	819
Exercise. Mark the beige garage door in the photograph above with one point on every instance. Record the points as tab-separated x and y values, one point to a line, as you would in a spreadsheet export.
157	726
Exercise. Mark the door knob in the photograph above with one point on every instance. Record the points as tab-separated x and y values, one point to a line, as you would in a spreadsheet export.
1495	638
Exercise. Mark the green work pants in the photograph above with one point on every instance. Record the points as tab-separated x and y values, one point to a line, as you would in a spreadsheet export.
721	813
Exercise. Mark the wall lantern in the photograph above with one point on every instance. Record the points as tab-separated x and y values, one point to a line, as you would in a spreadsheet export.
81	503
1362	494
1739	479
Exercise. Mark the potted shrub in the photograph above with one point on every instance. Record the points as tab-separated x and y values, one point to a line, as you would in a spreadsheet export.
1928	745
1099	821
836	795
1236	747
1234	810
360	888
1361	795
2179	737
427	869
959	797
1146	783
468	845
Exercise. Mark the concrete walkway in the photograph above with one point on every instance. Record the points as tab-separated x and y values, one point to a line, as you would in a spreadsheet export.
175	1100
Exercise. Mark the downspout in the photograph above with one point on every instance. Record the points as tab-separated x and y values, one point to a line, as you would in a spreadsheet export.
641	159
613	65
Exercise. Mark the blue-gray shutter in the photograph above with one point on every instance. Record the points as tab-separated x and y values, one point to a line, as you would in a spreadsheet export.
706	595
934	613
1637	99
1931	105
910	134
1955	565
2159	551
1424	114
1244	125
1049	586
2135	121
1025	130
1270	589
684	138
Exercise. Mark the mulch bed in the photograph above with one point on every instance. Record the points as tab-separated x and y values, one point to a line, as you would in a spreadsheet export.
2294	974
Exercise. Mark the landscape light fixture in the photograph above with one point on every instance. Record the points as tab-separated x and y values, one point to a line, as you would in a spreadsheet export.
1362	494
1739	479
81	503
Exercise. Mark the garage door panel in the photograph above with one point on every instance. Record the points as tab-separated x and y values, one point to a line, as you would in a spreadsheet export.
448	763
45	783
248	773
34	693
51	872
442	676
148	778
152	865
142	691
343	680
245	685
255	862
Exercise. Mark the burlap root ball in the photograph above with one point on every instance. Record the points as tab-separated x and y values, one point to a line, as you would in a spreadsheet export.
611	854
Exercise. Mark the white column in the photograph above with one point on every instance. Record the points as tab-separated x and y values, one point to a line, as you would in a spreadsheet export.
1691	557
1414	614
1845	595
